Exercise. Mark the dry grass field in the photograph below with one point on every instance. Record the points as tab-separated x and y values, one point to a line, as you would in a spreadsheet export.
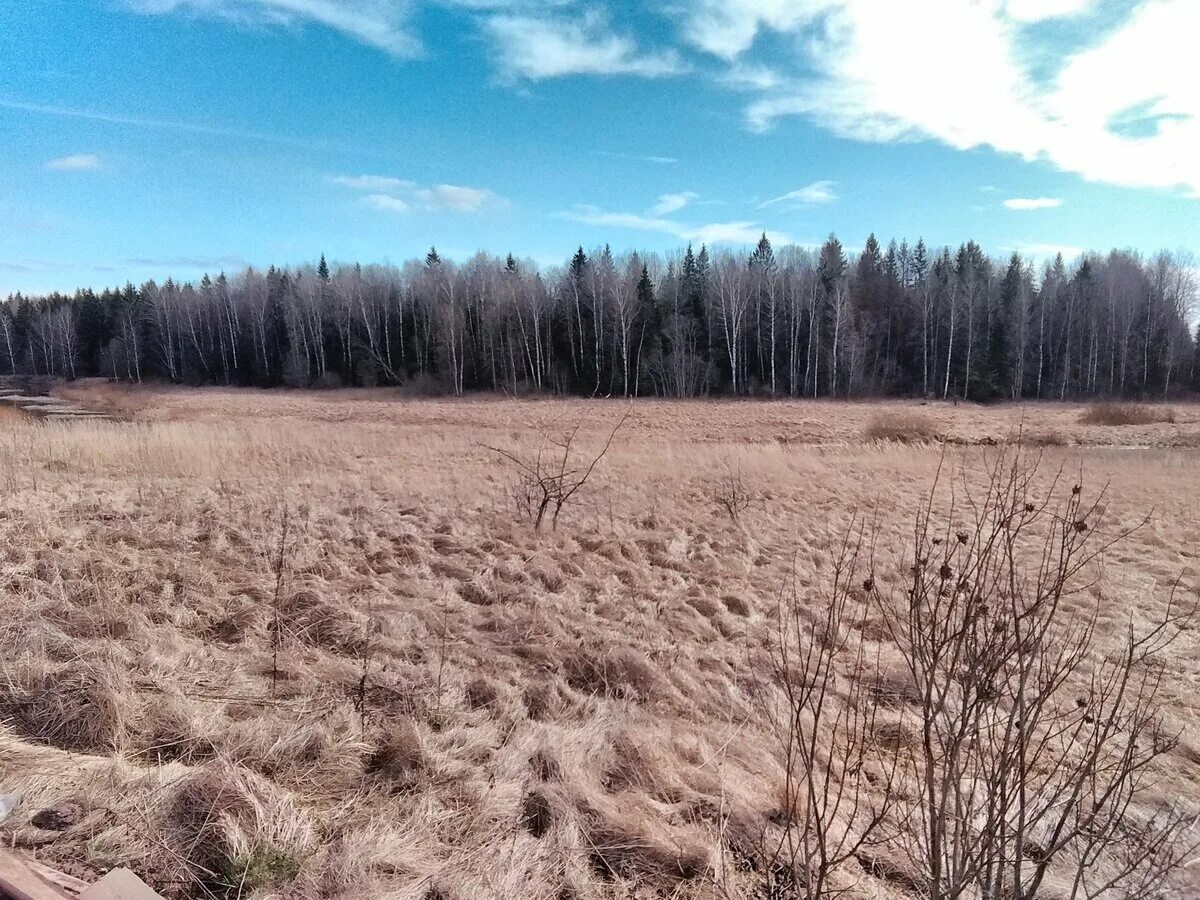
273	644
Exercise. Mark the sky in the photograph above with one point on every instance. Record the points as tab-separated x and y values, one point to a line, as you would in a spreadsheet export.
147	138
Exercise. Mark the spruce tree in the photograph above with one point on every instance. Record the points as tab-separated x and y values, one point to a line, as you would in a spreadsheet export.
578	265
322	269
920	262
998	380
762	260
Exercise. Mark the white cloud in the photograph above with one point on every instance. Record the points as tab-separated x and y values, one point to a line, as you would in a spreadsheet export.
736	233
657	160
1039	10
727	28
379	23
669	203
377	183
1028	203
382	193
750	77
713	233
535	48
79	162
590	215
386	203
810	195
458	198
959	73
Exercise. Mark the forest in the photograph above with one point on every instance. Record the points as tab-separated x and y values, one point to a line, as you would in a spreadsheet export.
896	321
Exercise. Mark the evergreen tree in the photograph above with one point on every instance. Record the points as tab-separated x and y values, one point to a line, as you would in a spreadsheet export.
579	264
920	262
998	380
832	263
762	260
322	269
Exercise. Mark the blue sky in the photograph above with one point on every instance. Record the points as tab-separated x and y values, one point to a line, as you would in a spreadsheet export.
151	137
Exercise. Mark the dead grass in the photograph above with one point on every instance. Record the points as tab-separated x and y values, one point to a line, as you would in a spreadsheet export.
462	707
901	427
1127	414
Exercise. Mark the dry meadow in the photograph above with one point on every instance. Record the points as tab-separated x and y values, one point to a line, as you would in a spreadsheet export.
288	644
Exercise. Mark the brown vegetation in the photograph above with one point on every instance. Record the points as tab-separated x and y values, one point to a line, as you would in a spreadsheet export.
901	427
423	696
1127	414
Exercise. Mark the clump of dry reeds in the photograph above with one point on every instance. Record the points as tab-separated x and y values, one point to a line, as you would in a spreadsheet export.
905	427
1127	414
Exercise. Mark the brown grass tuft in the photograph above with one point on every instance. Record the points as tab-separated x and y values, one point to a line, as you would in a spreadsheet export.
234	833
536	813
620	672
312	620
81	706
905	427
623	848
1127	414
399	756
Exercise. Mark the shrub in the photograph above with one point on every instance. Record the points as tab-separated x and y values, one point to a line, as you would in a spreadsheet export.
732	492
1047	438
903	428
1126	414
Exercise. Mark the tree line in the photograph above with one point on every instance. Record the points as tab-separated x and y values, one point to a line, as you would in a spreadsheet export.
900	320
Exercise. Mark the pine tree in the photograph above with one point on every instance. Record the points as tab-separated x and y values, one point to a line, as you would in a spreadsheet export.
510	265
322	269
432	260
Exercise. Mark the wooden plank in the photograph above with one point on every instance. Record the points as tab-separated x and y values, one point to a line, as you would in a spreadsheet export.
120	884
19	882
60	880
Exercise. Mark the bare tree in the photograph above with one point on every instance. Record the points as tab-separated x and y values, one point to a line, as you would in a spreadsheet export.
549	477
1034	739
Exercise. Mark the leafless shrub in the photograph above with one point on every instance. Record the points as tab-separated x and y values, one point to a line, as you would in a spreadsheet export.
732	492
1013	749
838	798
1127	414
901	427
548	479
1035	740
276	626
